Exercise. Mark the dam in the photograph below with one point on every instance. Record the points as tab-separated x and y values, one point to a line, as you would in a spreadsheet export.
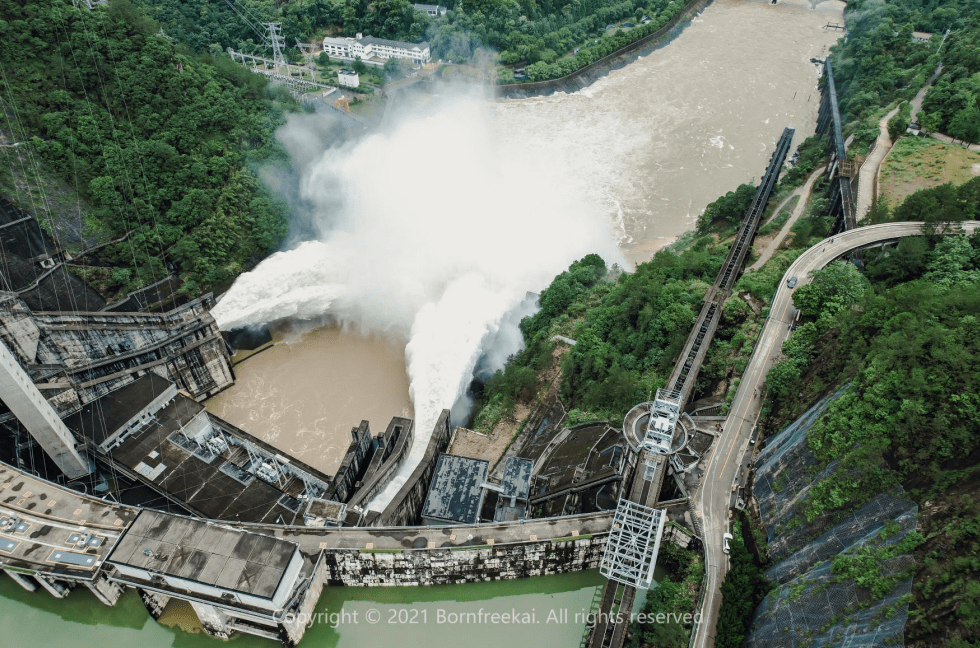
274	495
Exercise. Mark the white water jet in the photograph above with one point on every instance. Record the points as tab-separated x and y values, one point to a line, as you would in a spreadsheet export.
443	227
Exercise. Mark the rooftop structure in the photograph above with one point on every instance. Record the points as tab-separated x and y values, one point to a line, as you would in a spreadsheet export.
348	78
376	50
515	488
456	493
210	561
154	435
77	357
39	527
432	11
663	418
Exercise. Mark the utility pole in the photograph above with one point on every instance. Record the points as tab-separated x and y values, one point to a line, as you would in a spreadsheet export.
278	41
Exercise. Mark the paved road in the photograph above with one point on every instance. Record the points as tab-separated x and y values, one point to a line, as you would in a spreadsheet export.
712	500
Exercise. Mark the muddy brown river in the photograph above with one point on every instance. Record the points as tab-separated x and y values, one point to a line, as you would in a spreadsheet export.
653	143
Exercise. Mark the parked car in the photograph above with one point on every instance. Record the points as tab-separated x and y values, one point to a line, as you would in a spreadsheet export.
791	283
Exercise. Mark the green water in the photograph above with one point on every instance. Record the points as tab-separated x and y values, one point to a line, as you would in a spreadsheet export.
411	616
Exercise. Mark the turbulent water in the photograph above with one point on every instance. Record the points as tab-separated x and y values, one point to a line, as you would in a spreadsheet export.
431	230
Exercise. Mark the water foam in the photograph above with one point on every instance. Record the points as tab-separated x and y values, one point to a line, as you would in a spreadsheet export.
443	228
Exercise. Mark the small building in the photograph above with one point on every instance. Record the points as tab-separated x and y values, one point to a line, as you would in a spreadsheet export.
456	493
338	47
235	580
375	51
432	11
348	78
921	37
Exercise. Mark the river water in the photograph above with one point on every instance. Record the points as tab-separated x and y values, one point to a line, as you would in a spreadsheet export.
416	616
644	149
649	145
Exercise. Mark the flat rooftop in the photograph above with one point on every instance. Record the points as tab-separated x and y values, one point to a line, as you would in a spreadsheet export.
456	490
516	479
101	418
216	487
204	552
42	526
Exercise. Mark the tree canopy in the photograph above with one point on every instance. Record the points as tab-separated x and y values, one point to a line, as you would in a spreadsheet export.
157	139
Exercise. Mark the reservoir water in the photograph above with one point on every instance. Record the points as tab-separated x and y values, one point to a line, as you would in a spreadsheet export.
649	145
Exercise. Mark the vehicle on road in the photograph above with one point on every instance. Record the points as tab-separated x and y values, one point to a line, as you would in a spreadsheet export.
791	283
727	537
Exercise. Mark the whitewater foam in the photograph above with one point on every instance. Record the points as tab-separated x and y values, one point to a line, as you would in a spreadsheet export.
443	227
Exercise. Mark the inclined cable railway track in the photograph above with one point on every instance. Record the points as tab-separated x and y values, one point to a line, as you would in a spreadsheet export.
615	609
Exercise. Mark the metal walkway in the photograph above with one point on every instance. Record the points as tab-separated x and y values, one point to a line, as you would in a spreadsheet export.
682	379
839	169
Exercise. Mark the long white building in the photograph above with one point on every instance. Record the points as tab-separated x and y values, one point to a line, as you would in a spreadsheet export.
376	50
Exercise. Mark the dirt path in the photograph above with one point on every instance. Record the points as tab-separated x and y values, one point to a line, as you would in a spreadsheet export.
871	169
804	193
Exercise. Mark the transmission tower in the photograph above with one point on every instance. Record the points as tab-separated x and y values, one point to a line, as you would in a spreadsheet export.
278	41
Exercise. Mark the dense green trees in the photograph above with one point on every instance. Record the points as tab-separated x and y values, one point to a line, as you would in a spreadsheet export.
952	105
832	289
880	62
627	327
912	349
157	139
728	208
668	609
742	590
909	347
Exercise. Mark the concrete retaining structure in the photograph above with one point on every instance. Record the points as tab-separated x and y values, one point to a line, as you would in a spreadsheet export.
403	510
464	565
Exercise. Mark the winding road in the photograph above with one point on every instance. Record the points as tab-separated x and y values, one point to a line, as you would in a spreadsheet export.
727	459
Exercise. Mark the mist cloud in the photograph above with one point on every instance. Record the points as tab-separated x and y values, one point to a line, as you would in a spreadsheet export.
429	233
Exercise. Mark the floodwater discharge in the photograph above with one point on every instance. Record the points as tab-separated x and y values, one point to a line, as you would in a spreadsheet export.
647	146
650	144
306	392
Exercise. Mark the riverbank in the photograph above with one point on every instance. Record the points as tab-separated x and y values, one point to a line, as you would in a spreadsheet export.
587	75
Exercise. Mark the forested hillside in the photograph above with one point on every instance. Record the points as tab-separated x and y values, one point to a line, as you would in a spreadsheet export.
159	141
904	334
880	63
552	38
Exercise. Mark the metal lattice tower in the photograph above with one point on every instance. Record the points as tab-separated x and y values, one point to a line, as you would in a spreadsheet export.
278	42
633	545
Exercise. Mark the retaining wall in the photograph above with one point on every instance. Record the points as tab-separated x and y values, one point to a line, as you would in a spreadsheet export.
404	508
463	564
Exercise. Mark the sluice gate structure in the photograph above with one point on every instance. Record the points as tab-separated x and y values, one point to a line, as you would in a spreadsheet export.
634	540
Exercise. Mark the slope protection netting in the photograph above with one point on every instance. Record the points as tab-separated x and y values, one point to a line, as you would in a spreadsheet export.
810	607
819	609
784	471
